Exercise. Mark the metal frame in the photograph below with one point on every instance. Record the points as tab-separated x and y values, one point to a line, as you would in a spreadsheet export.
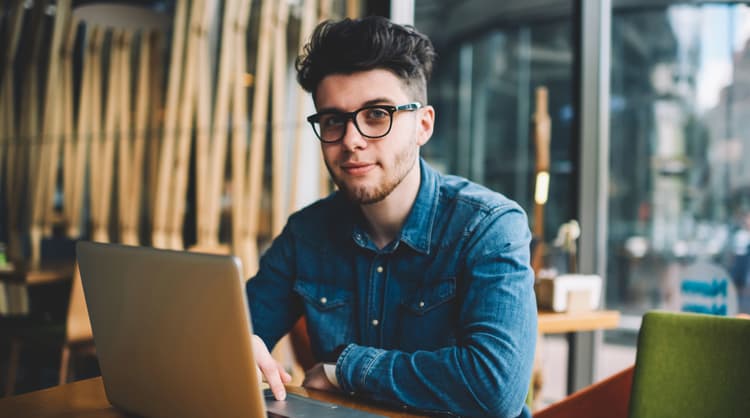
594	17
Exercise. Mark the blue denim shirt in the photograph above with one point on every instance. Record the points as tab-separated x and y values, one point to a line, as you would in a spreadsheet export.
443	319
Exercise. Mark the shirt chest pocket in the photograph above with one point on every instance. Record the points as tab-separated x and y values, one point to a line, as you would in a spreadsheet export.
430	296
429	315
329	313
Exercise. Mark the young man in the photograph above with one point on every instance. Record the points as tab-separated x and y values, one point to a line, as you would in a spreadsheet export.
416	286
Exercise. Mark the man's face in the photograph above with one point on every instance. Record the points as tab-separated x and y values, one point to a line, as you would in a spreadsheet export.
368	170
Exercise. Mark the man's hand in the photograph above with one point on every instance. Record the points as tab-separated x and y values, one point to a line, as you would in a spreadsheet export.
315	378
270	369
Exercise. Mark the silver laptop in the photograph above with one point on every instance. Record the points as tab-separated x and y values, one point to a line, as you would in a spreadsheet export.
172	332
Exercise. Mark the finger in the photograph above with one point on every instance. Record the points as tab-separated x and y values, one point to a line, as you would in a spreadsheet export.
285	377
277	386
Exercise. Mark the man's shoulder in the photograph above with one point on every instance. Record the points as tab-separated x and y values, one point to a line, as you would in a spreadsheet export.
461	192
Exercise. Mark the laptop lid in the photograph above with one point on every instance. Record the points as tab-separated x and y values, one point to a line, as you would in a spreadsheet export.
172	331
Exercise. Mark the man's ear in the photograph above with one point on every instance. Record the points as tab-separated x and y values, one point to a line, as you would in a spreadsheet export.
425	124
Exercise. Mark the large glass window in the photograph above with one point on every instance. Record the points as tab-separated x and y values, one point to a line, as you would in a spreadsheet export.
680	150
484	89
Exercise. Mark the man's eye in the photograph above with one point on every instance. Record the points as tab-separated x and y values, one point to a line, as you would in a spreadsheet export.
332	120
377	113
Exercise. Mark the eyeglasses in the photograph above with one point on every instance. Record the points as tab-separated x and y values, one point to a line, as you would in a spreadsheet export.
371	121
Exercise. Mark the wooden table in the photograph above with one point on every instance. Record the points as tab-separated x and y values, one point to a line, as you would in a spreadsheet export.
48	272
86	398
558	323
576	326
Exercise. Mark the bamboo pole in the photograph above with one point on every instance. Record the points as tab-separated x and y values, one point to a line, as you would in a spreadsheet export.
103	176
30	126
95	123
232	41
352	9
155	124
324	182
278	140
200	17
74	200
126	165
133	189
69	137
258	127
44	185
542	127
8	129
167	153
204	164
239	140
307	24
61	102
9	133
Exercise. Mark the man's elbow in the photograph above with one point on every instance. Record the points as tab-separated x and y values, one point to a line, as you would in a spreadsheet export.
503	398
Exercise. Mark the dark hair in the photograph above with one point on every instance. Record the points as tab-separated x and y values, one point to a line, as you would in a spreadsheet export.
349	46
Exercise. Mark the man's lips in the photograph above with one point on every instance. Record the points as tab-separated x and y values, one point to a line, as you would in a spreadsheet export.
357	168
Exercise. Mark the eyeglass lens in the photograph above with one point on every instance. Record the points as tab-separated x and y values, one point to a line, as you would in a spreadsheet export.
372	122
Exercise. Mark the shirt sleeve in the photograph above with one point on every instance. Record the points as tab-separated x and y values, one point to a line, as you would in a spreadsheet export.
487	372
274	307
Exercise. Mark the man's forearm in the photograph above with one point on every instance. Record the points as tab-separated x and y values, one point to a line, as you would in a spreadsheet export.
467	381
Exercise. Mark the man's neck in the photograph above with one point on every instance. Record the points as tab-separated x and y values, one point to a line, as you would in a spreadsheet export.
387	217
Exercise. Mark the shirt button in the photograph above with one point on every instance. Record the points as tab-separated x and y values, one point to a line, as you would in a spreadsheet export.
421	304
379	269
323	300
375	322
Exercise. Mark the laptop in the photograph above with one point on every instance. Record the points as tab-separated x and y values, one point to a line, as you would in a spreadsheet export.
173	336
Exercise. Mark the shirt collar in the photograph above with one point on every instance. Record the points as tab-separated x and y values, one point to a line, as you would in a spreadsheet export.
417	230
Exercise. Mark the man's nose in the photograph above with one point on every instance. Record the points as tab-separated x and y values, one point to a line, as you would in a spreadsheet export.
353	139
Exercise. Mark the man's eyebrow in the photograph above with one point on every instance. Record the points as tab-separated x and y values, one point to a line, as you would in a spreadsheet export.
372	102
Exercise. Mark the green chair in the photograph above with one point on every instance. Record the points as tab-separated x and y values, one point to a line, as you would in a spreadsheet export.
687	365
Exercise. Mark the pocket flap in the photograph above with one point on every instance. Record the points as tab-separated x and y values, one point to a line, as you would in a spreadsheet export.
431	296
322	296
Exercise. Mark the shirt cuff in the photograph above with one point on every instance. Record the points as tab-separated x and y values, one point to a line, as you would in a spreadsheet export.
355	365
330	372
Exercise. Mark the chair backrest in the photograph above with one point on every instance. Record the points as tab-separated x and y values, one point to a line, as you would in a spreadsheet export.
690	365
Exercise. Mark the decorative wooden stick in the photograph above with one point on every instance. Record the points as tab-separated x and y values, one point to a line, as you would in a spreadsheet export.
541	143
9	141
324	182
258	128
167	153
69	137
232	41
239	140
44	186
126	166
112	128
155	123
130	220
307	23
200	17
204	150
278	116
74	200
8	129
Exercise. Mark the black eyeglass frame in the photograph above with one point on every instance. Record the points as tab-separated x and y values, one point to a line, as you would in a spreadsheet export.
315	118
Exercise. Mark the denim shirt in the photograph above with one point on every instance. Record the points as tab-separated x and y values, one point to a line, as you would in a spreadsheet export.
443	319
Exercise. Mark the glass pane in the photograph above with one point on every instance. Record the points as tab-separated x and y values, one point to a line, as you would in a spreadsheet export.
680	151
483	89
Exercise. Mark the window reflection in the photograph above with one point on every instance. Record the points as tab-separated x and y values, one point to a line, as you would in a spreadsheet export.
483	89
680	151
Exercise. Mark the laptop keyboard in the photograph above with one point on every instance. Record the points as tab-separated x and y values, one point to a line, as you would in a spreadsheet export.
296	406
